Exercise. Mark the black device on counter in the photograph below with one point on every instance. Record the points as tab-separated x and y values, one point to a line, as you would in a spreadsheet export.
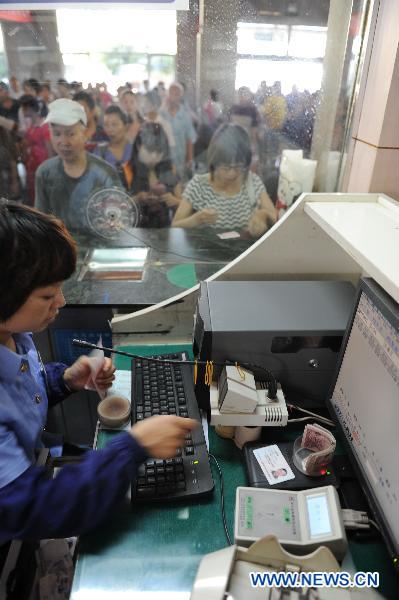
364	401
292	328
162	388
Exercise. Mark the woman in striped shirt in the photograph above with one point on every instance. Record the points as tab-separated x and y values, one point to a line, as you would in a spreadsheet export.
228	197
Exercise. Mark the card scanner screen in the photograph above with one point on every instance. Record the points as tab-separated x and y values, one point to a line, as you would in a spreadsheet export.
318	515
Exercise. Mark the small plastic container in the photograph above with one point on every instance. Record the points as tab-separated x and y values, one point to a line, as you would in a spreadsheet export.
244	434
114	411
300	456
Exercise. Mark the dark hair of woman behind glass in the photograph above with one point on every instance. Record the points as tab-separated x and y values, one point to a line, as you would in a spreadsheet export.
36	250
153	137
230	145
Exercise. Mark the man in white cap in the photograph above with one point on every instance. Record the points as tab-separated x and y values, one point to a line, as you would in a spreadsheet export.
65	183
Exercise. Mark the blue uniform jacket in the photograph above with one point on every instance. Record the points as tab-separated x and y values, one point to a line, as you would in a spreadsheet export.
80	497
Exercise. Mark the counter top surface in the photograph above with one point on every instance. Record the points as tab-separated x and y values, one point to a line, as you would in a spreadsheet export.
177	260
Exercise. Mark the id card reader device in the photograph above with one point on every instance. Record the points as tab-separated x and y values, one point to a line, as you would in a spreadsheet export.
301	521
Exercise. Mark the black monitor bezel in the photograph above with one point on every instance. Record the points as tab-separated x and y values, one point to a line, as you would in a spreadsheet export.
386	305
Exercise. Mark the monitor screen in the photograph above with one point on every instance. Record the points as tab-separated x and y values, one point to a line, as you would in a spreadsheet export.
365	402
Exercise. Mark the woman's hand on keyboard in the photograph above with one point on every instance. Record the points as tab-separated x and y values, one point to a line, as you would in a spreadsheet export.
162	435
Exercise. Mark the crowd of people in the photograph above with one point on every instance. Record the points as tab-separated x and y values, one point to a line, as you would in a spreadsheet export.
184	168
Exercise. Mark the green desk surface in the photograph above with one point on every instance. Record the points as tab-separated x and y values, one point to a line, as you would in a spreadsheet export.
124	362
153	551
158	547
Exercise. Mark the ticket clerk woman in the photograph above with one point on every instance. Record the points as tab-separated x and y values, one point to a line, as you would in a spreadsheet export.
36	255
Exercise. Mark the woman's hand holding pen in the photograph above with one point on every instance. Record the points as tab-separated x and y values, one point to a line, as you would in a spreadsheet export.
76	375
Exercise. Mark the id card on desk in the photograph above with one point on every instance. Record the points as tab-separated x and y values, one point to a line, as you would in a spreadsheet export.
273	464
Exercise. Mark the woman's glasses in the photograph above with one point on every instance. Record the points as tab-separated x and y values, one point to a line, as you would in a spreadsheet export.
240	167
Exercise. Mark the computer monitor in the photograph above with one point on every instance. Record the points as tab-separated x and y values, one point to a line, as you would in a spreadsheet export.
364	401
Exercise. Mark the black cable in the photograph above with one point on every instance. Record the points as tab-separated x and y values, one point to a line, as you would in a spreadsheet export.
226	531
272	381
272	389
310	415
374	524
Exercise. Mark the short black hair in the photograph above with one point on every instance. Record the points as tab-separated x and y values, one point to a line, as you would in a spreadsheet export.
214	94
115	110
85	97
230	145
30	102
36	250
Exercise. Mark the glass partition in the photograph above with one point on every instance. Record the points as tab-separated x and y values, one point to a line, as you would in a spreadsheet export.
193	131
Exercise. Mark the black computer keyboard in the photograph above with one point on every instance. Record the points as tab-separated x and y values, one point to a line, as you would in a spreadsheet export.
167	389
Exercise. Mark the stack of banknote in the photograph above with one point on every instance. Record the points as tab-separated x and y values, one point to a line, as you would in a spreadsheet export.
321	444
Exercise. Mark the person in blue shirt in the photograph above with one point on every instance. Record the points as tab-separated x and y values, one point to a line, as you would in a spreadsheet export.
37	254
174	112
